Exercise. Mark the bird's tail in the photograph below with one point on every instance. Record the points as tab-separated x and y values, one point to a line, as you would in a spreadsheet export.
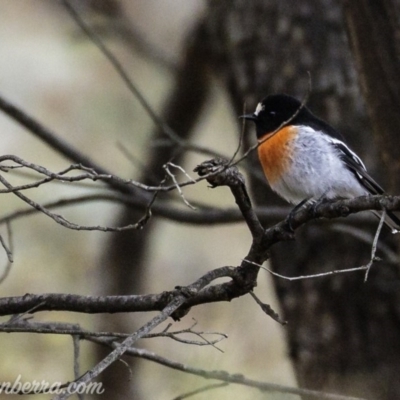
391	221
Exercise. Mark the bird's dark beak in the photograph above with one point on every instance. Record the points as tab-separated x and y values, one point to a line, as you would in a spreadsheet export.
251	117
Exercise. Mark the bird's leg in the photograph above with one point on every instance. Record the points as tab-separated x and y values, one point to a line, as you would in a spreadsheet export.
323	199
292	213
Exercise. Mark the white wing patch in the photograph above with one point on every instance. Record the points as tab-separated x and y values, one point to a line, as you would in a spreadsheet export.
354	163
346	150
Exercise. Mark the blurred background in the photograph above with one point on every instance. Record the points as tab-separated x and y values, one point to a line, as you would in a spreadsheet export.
199	64
52	71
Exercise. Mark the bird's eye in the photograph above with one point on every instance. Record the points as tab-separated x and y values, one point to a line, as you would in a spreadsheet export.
272	113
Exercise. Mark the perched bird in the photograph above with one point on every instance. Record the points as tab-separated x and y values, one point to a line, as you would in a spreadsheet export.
305	159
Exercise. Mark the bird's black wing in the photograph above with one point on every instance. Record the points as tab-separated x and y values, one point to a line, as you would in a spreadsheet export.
351	160
355	165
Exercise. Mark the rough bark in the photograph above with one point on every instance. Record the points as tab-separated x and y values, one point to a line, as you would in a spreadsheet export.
374	34
342	333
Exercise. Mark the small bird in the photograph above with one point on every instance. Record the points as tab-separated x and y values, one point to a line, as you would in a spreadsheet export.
306	160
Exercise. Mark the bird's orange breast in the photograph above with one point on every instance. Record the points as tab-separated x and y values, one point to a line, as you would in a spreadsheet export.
275	152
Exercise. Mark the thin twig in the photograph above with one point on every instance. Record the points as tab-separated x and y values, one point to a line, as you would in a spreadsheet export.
96	40
241	136
228	377
90	174
132	87
311	276
374	245
121	348
76	346
182	170
125	364
361	234
56	328
9	252
114	197
136	162
60	145
201	390
70	225
18	317
268	309
176	184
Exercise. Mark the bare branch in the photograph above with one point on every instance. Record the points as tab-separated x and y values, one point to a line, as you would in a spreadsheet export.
70	225
268	309
201	390
311	276
96	40
132	87
9	252
205	216
18	317
176	184
30	303
76	345
121	348
243	277
361	234
113	197
219	172
374	245
227	377
47	135
93	175
59	328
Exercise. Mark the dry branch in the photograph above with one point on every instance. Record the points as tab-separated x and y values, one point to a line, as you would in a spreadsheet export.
227	377
243	277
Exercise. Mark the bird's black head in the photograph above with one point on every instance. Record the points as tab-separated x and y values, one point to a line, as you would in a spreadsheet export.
276	109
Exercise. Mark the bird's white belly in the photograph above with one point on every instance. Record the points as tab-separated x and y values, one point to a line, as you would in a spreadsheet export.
316	170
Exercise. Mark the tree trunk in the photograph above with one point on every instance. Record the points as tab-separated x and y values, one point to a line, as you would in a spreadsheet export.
342	333
374	34
124	259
